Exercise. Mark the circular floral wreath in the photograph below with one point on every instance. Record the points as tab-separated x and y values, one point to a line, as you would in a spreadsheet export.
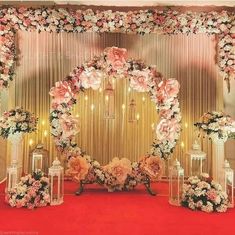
113	62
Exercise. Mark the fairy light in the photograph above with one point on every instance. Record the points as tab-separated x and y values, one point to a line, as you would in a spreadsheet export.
106	98
143	98
182	144
43	122
86	97
100	89
129	89
153	126
77	115
45	133
30	142
137	116
123	106
92	107
186	125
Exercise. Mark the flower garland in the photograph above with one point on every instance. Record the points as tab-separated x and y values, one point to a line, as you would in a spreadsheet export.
17	121
217	125
113	63
139	22
119	174
32	191
202	193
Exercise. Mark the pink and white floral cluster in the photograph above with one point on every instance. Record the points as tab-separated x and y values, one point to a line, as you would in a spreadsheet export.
17	121
202	193
113	62
217	125
119	174
32	191
140	22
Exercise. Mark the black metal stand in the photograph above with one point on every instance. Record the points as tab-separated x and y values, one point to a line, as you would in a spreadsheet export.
81	188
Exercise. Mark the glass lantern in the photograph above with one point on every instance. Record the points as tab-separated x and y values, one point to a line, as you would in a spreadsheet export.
228	182
176	175
109	102
13	175
56	178
39	159
132	111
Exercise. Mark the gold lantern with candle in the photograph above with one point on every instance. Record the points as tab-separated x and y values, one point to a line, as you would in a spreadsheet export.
132	111
109	102
39	159
176	174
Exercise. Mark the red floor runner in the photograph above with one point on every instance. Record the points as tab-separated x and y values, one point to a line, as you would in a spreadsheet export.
98	212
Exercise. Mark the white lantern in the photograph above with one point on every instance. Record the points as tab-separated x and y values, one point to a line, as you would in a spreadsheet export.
228	183
176	175
56	177
196	157
13	175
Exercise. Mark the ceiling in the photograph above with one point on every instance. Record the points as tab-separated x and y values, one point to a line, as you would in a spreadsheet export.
128	2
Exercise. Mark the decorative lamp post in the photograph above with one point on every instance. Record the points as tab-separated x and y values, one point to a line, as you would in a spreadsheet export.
228	183
132	111
109	102
13	175
39	159
56	177
176	175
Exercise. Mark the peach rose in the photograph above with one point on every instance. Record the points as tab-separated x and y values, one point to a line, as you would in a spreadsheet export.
61	93
152	166
167	89
119	168
168	130
116	57
140	80
78	168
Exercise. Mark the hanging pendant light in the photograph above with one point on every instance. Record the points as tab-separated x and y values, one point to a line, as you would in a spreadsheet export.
109	102
132	111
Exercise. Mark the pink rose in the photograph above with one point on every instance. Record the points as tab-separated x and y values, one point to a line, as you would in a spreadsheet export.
78	168
140	80
61	93
211	195
152	166
166	113
91	78
167	89
69	125
168	130
116	57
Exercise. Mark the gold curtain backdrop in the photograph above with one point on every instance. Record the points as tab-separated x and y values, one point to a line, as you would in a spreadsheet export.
46	58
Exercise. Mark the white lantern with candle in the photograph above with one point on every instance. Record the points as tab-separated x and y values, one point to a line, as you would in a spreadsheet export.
56	177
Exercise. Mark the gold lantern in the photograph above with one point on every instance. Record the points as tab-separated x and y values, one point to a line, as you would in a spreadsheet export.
56	178
176	175
228	182
109	102
39	159
13	175
132	111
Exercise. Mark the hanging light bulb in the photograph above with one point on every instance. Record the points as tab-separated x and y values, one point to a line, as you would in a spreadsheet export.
132	111
109	101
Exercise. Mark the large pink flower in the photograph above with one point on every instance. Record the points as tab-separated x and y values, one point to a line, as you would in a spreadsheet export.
116	57
69	125
152	166
61	93
140	80
168	130
119	168
78	168
91	78
167	89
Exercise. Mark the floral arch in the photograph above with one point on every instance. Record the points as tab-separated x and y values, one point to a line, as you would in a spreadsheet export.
163	92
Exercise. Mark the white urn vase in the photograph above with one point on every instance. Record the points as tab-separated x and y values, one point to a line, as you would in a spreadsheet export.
16	144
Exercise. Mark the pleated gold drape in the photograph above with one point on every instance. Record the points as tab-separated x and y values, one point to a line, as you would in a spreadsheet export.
48	57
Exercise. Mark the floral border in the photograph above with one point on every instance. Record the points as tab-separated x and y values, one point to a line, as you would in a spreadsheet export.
139	22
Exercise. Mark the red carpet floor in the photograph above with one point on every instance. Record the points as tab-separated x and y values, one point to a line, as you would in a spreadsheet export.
97	212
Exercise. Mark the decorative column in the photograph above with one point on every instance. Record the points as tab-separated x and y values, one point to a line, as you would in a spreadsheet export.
16	151
217	159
